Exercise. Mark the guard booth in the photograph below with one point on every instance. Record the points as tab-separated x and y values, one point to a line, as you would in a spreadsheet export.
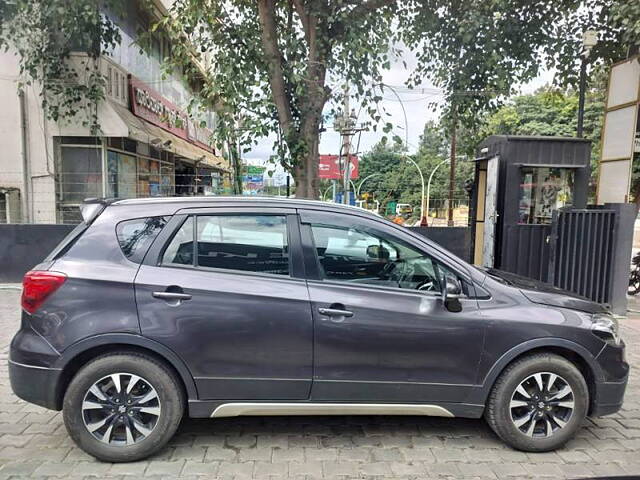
530	217
520	181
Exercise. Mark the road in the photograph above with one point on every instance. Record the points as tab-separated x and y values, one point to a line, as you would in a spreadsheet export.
34	443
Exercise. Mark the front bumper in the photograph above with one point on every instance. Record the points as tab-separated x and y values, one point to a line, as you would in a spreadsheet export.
609	397
35	384
609	393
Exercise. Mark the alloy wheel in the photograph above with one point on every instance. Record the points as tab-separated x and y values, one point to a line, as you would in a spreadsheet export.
121	409
542	404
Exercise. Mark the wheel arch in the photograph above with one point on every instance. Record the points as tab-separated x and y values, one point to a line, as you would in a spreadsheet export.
78	354
575	353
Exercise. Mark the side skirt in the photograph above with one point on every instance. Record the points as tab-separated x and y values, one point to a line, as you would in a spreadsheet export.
219	409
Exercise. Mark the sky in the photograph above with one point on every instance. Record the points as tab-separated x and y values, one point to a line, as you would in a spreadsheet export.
416	105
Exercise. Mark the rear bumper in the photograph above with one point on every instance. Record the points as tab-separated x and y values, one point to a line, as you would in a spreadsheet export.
35	384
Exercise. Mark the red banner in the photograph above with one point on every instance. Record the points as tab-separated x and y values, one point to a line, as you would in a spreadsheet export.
330	167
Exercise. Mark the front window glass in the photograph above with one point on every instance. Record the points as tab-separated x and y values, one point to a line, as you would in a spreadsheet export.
356	256
543	190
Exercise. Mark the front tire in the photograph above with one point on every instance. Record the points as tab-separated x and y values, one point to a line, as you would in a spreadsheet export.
538	403
123	407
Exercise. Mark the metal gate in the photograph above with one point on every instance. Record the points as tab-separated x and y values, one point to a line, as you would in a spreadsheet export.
582	248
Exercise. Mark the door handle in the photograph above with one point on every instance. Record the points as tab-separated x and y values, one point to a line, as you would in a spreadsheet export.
171	296
335	312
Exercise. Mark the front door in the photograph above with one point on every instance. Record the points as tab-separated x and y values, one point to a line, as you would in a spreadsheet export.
382	333
225	292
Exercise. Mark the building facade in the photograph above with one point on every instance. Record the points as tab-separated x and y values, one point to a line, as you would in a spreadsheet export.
147	144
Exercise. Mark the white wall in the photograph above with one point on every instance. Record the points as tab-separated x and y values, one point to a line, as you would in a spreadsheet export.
40	154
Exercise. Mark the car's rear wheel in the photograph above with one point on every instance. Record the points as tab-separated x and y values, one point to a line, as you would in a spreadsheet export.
123	407
538	403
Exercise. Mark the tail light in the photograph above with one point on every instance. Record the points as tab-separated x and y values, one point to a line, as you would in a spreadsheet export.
38	286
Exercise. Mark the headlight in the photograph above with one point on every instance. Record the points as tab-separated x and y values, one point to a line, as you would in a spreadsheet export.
606	327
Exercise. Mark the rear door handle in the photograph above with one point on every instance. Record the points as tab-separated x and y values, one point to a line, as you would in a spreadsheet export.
334	312
171	296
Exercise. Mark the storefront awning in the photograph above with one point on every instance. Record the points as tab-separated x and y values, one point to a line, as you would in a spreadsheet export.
143	131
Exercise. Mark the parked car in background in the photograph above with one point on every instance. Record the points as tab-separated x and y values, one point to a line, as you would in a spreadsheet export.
153	309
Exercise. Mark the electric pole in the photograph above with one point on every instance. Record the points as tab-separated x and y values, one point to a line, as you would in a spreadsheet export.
346	146
345	124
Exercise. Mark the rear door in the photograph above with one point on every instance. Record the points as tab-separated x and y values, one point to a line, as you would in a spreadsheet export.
224	289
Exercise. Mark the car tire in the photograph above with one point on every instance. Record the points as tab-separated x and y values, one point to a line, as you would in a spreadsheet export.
549	417
140	414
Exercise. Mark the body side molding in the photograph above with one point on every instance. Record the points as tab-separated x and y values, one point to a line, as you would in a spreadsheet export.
308	408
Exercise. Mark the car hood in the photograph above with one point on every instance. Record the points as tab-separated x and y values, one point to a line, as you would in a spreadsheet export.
545	294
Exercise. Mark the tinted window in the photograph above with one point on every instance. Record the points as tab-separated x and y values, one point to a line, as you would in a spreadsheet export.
135	236
180	249
253	243
356	256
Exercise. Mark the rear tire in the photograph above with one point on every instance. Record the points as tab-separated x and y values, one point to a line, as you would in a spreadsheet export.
123	407
535	419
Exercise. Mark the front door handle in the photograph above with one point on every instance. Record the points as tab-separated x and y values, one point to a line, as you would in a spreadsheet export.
335	312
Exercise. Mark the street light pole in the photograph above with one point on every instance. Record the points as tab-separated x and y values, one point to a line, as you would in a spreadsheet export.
581	95
430	178
589	40
423	219
364	180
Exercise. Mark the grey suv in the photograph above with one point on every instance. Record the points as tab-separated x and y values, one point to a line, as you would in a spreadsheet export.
216	307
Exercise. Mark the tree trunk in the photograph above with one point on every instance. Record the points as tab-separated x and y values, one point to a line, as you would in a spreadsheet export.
305	172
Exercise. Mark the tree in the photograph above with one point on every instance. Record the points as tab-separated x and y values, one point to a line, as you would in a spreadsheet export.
626	16
272	62
44	34
279	62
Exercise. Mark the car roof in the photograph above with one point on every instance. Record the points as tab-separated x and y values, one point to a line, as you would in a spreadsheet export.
240	200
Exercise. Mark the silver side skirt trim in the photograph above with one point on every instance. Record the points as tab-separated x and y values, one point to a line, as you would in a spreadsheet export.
307	408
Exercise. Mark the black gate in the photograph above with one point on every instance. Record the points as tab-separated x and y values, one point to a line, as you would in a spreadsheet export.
581	252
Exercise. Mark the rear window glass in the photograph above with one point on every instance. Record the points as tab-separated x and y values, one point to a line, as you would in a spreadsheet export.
135	236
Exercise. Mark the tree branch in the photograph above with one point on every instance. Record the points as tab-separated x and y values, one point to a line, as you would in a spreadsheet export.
266	12
361	10
369	6
304	18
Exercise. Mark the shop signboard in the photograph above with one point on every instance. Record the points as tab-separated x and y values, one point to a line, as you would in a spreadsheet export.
329	167
149	105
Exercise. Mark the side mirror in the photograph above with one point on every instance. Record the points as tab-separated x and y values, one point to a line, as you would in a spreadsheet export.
451	293
377	252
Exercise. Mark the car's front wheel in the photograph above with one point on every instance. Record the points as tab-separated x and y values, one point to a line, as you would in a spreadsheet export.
123	407
538	403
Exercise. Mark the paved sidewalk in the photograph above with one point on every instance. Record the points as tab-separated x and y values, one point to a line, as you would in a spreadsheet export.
34	443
